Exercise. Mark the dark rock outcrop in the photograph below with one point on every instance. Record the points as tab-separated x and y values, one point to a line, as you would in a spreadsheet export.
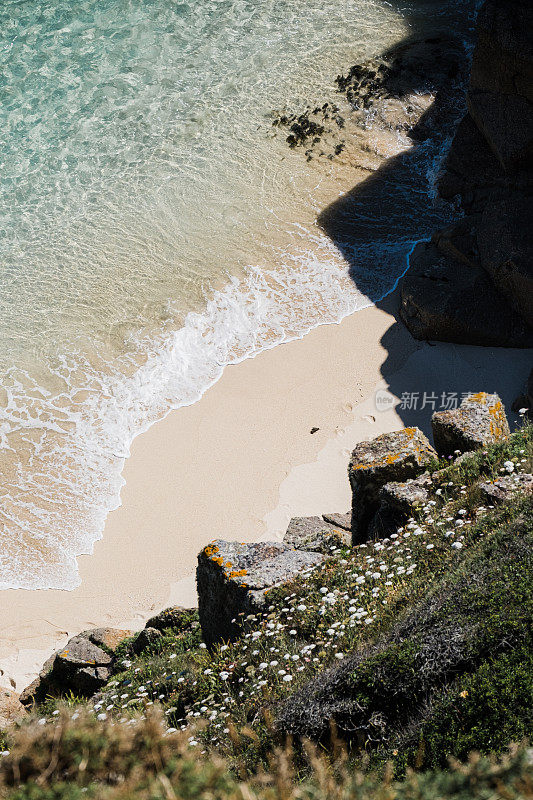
313	533
444	299
390	457
488	298
233	580
479	421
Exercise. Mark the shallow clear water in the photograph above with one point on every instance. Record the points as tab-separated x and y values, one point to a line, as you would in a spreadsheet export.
139	172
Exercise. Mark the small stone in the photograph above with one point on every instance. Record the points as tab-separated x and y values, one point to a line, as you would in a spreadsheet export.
479	421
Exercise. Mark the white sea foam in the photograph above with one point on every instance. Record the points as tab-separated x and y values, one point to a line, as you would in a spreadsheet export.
143	174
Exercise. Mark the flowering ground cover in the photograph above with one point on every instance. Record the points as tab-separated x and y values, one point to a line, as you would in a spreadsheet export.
235	699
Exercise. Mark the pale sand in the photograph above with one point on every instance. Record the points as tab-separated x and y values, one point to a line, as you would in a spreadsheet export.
241	462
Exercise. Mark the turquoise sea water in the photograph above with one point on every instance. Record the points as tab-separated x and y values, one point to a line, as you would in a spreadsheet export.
153	229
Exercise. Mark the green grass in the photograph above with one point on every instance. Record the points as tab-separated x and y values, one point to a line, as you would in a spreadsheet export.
227	700
102	760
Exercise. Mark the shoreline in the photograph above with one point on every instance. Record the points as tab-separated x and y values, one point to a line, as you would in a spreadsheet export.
239	463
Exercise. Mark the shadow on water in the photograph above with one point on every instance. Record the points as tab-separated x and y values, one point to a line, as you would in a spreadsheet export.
380	219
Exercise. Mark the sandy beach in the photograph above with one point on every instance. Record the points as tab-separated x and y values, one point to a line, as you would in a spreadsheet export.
241	462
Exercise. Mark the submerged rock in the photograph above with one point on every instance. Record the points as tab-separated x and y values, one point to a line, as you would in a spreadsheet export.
234	579
389	457
480	420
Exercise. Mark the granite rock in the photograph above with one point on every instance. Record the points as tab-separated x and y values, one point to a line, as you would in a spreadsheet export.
313	533
343	521
503	488
146	638
234	579
479	421
390	457
176	618
404	497
83	666
505	240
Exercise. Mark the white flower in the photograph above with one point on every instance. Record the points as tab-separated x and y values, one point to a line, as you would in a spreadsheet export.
508	466
203	645
292	632
457	545
263	665
287	678
101	716
360	579
430	546
224	676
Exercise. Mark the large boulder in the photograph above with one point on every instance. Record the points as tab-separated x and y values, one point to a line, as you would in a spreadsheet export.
233	580
479	421
146	639
314	533
445	299
83	666
389	457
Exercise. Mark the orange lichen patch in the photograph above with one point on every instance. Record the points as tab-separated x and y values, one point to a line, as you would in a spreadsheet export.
237	573
218	560
210	550
64	654
243	585
478	397
228	565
